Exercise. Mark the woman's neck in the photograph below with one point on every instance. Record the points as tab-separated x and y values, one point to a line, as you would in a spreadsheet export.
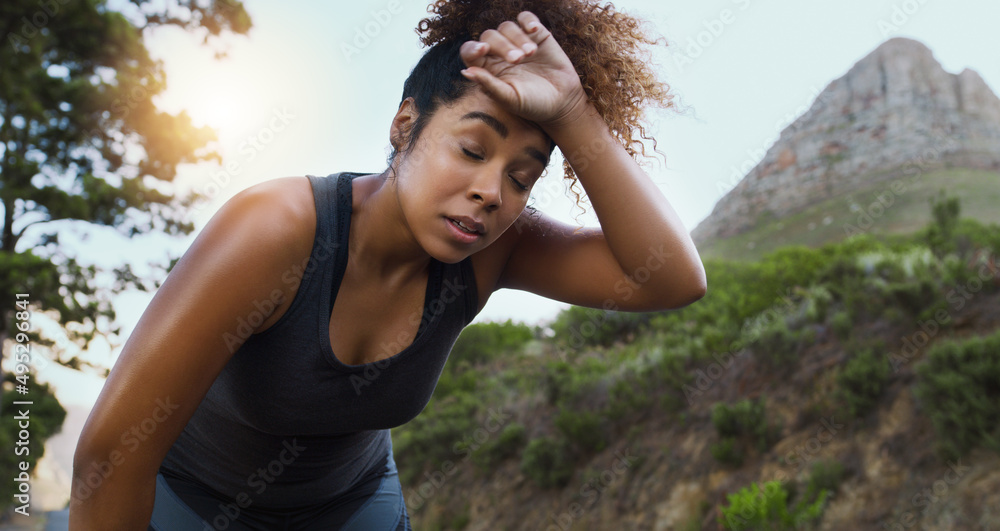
381	243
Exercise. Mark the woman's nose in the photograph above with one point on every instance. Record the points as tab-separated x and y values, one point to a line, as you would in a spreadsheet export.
486	189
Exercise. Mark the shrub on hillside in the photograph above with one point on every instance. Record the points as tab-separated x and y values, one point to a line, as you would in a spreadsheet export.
780	271
777	345
972	236
842	324
745	418
630	394
817	304
577	327
727	452
846	280
957	386
862	381
742	424
504	445
939	234
914	295
765	507
431	437
671	378
483	342
582	428
546	461
567	385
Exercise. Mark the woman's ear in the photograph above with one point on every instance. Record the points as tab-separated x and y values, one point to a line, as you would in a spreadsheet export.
402	123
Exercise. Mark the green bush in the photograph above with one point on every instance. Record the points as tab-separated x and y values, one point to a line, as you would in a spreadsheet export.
566	385
957	386
939	234
842	324
669	377
740	425
907	280
862	381
727	452
670	373
453	382
577	327
746	418
914	295
629	395
483	342
506	444
582	428
720	310
766	508
848	280
776	344
730	421
818	304
546	461
778	271
717	337
973	237
431	438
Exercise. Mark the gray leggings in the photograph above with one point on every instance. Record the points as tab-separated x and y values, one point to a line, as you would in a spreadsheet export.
375	504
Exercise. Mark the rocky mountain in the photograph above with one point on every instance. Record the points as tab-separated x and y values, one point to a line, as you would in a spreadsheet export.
896	112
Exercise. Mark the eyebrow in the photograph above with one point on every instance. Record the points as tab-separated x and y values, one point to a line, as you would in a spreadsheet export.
502	130
489	120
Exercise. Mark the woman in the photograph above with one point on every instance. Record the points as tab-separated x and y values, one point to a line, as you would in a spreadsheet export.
313	314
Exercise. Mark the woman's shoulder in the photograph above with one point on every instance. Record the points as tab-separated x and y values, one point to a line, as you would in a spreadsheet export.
287	204
284	191
290	197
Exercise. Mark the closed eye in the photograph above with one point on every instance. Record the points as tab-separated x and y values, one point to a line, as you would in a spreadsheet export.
471	154
517	183
474	156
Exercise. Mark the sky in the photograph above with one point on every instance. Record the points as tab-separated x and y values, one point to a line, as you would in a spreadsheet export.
313	87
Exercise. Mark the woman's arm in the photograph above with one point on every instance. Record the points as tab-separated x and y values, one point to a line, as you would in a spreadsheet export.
642	258
179	346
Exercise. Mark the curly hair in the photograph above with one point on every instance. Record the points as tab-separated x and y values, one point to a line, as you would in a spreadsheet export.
608	49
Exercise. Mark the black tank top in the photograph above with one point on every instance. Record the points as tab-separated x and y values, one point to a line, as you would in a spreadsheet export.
286	422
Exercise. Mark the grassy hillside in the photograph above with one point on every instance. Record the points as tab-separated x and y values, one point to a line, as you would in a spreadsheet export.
832	219
853	386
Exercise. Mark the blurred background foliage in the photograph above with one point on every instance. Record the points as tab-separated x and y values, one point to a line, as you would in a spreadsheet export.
593	379
83	146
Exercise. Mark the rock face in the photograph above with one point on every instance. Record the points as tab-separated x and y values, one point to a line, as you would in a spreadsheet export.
895	112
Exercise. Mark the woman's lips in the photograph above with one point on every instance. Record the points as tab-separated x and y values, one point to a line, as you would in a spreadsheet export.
472	224
461	233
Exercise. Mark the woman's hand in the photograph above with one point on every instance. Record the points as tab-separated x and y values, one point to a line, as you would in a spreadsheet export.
523	68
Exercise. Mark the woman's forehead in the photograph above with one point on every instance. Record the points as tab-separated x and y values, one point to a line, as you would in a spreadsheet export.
477	106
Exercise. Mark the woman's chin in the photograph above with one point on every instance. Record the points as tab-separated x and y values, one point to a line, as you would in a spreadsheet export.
450	256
